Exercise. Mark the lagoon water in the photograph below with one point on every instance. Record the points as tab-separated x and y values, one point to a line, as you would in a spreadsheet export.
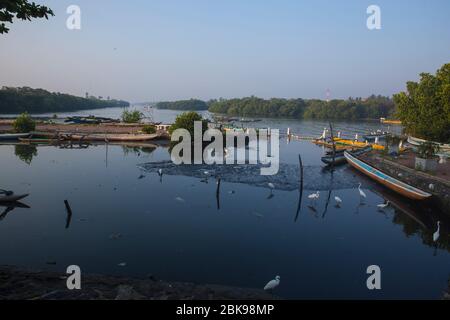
172	229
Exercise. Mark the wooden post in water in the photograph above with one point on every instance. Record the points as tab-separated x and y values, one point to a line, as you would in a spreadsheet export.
333	144
218	193
69	214
300	188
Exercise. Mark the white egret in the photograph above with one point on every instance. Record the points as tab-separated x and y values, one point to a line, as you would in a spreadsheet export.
383	205
271	185
160	172
361	193
314	196
338	201
436	234
272	284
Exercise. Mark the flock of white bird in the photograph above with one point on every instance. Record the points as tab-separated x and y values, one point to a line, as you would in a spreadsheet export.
272	284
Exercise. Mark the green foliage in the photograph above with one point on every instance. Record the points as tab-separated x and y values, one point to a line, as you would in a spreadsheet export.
133	116
24	123
20	9
192	104
425	108
18	100
428	150
186	121
149	129
372	107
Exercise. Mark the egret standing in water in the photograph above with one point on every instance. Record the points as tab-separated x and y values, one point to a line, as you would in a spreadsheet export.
437	233
314	196
160	173
362	195
272	284
338	201
383	205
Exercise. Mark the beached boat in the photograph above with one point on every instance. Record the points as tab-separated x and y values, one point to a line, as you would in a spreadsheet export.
340	158
13	136
385	179
114	137
417	142
12	198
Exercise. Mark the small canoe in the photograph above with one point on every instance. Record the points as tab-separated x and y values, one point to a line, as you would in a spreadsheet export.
114	137
13	136
394	184
340	158
358	144
12	198
31	141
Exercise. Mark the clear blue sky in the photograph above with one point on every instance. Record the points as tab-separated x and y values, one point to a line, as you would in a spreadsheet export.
151	50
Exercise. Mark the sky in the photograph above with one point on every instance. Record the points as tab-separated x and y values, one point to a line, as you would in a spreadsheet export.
155	50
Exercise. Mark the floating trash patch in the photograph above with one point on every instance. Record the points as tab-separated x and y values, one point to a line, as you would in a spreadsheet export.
287	178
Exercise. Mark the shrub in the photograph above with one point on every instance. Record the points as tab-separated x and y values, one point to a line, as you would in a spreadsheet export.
149	129
132	116
24	123
186	121
428	150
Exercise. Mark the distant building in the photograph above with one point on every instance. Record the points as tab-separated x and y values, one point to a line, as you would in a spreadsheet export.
163	127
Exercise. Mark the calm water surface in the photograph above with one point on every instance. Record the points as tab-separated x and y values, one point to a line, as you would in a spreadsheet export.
122	214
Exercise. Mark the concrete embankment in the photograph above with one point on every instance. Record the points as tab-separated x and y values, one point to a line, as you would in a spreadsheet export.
401	168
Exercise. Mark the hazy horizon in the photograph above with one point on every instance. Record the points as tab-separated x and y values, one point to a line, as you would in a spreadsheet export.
164	51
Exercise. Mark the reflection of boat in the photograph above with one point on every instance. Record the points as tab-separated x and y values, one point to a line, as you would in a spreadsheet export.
385	179
35	140
12	198
340	158
15	204
13	136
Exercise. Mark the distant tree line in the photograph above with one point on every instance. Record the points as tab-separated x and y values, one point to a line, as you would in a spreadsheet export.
373	107
185	105
18	100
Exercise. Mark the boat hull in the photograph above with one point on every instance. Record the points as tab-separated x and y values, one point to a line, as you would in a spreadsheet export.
395	185
13	136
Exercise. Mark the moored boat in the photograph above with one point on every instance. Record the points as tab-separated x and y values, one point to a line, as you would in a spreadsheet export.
385	179
339	157
13	136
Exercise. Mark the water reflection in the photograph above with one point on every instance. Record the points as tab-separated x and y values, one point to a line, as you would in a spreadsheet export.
25	152
7	207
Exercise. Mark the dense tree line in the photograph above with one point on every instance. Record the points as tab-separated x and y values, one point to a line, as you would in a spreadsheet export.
353	108
186	105
18	100
425	107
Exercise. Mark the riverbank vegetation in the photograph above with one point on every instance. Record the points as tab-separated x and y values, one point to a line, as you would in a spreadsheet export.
24	123
425	106
19	100
373	107
186	105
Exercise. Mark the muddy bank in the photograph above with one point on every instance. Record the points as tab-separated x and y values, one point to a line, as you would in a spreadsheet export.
20	284
6	126
287	178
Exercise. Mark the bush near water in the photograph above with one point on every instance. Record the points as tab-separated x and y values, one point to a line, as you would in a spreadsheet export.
24	123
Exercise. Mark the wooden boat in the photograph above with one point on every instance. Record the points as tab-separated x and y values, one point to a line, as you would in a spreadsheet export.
383	120
358	144
417	142
340	158
113	137
396	185
12	198
374	135
13	136
35	140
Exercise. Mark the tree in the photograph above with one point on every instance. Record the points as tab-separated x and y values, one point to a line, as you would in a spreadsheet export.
186	121
24	123
132	116
20	9
425	107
